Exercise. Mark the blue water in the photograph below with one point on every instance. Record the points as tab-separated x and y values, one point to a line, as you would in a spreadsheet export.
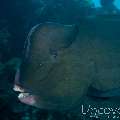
97	3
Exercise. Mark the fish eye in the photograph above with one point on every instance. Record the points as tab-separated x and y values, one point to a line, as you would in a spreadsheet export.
53	52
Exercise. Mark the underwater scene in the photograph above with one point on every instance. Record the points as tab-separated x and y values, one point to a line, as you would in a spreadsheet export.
60	60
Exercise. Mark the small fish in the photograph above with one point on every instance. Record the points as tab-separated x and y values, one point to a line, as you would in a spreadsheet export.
61	64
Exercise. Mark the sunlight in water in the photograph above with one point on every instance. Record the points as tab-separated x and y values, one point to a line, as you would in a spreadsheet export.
97	3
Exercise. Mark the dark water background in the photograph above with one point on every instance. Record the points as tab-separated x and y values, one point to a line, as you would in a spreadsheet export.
16	19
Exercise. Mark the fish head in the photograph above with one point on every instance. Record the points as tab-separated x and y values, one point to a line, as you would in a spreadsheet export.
50	77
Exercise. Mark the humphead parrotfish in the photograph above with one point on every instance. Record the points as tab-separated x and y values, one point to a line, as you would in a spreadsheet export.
64	63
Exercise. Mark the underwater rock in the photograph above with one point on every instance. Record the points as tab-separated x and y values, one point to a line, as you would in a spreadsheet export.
4	43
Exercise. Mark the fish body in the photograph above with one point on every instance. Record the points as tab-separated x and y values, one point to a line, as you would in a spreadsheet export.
62	63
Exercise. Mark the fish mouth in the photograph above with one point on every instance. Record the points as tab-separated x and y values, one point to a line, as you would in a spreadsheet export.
23	96
18	88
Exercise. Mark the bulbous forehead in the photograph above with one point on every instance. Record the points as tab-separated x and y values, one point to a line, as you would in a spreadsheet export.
44	44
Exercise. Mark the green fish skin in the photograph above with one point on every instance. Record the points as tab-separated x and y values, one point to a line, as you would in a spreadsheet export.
62	63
